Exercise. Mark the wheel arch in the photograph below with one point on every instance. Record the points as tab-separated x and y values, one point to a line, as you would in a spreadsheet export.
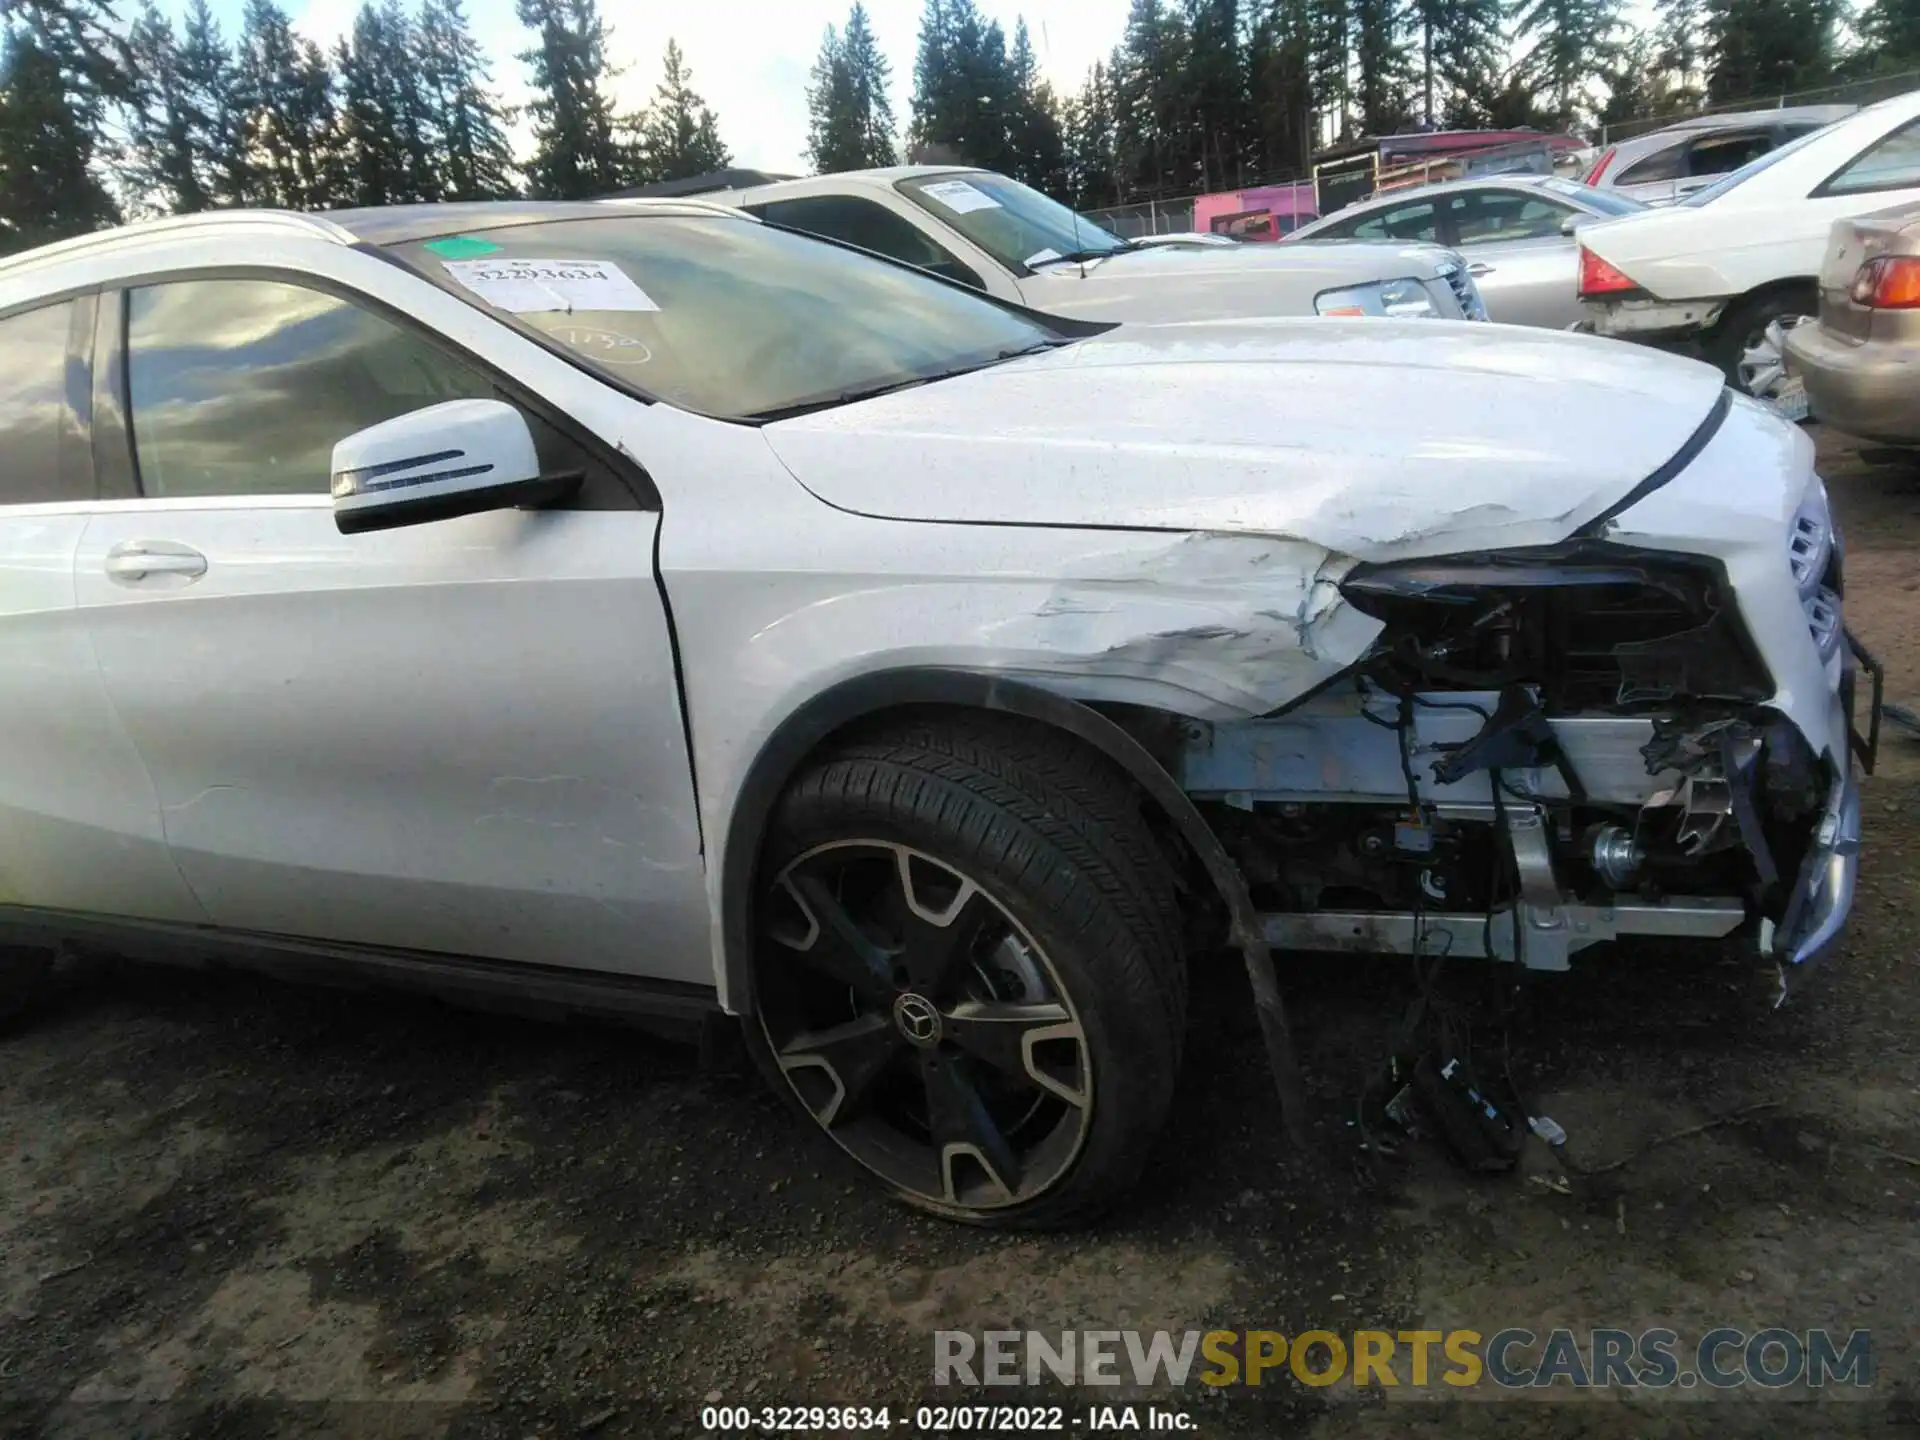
1786	285
867	697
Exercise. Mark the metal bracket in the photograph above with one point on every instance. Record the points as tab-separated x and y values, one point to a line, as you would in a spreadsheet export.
1546	931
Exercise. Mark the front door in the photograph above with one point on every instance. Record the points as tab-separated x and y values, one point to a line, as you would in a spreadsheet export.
1518	255
459	737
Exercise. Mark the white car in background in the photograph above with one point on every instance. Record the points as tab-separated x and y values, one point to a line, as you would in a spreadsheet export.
1671	163
1010	241
1732	267
652	610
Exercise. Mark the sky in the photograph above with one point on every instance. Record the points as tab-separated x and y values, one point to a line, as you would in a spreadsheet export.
750	58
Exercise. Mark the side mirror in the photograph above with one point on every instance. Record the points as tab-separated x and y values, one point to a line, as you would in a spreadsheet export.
456	458
1571	224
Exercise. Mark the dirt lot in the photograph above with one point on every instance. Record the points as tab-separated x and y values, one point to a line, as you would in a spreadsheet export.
230	1207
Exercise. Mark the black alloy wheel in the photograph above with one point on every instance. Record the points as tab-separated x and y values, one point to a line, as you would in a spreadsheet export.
921	1028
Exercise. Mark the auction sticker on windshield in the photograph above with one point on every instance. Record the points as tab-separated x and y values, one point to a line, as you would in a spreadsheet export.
530	286
960	197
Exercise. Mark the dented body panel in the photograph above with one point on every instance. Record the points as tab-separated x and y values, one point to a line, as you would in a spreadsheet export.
1375	439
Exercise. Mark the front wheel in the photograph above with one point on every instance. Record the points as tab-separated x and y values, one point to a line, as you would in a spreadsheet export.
1750	342
967	968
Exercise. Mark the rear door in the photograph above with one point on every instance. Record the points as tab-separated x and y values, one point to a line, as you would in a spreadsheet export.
79	827
459	737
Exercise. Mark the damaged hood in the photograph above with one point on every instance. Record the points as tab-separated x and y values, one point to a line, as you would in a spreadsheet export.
1372	438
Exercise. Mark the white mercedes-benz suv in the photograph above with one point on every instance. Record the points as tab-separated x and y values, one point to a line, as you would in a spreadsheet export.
650	610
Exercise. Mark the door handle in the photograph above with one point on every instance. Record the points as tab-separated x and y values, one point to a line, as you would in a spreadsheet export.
140	560
1479	267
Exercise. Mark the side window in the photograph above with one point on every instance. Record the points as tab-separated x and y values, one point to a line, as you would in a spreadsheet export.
1890	163
1490	215
1666	164
242	387
1719	154
33	393
870	225
1400	222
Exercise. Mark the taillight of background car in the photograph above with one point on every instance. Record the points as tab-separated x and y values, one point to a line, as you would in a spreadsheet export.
1597	277
1890	282
1600	165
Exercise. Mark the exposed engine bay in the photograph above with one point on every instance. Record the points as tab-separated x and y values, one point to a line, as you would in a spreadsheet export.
1542	751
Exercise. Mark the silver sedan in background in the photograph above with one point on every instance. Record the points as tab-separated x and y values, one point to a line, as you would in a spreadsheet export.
1516	232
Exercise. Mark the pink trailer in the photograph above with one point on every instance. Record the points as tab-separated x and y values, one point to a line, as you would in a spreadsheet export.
1265	212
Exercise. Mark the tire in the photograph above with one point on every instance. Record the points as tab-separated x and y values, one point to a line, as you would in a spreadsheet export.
1746	344
23	973
967	967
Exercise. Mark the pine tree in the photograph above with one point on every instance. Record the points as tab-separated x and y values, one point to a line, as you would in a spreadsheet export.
850	115
266	79
1330	42
1460	49
1280	90
1767	47
1381	69
676	137
48	188
1570	41
157	171
1036	145
937	113
1892	28
207	96
963	95
872	79
1092	166
830	119
1153	133
377	158
576	153
411	121
83	38
322	174
1216	92
1678	48
466	128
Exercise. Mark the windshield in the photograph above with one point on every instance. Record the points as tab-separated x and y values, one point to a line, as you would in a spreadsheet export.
1019	227
1604	202
726	317
1752	168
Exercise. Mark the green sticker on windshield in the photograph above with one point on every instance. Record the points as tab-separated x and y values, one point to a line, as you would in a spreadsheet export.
461	247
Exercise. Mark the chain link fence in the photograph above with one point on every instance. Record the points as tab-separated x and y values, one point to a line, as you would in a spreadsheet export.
1149	217
1852	92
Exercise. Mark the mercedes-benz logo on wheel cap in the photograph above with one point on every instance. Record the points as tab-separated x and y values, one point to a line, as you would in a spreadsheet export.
917	1019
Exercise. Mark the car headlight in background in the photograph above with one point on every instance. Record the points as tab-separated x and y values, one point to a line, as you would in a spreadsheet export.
1399	299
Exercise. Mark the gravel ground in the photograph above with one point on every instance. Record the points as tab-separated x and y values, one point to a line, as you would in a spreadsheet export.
230	1207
